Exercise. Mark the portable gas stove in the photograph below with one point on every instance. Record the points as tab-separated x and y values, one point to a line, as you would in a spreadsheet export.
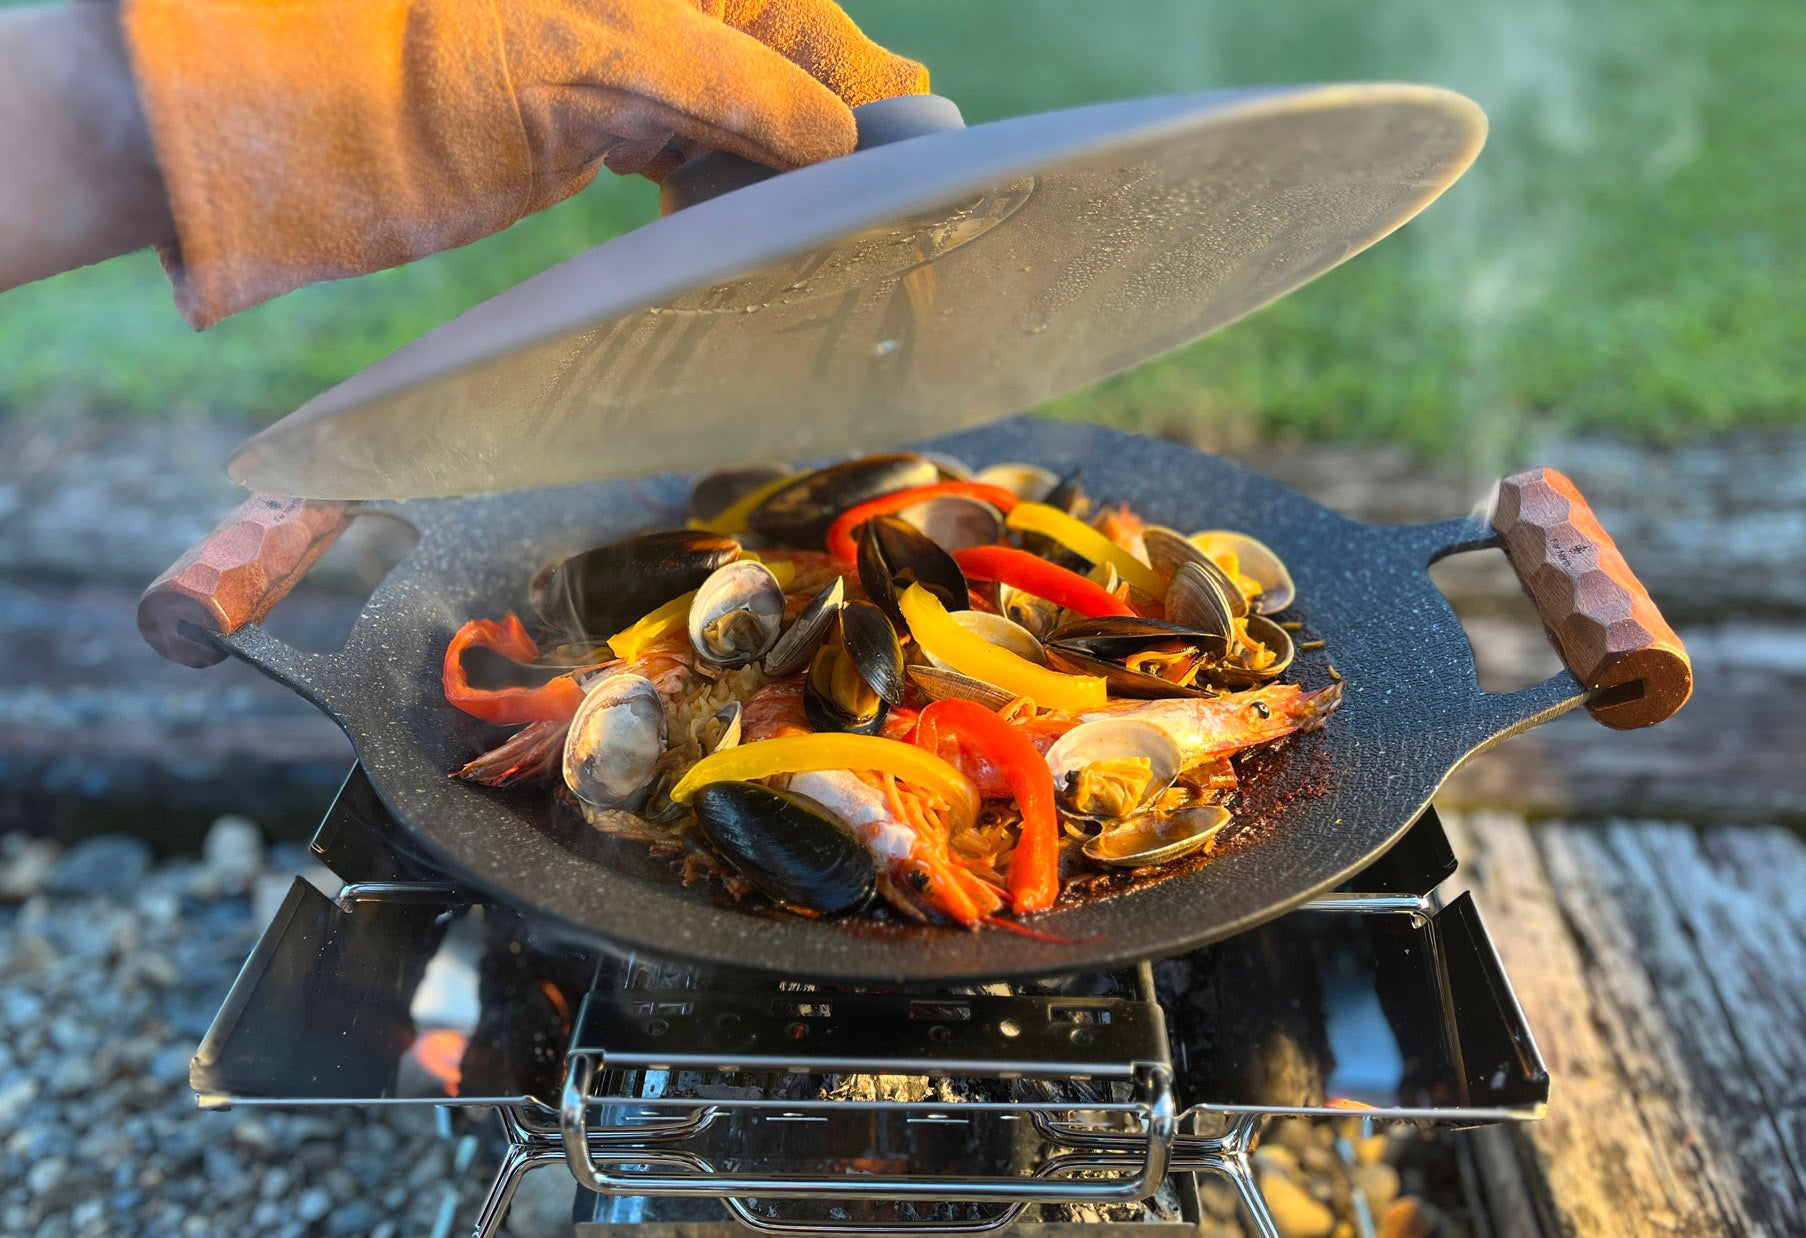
672	1092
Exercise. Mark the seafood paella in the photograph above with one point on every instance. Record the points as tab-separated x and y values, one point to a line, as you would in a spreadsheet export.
894	686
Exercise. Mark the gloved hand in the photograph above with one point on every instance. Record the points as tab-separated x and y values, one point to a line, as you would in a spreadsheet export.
303	140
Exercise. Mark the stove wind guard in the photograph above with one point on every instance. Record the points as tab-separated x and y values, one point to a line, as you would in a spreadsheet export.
672	1090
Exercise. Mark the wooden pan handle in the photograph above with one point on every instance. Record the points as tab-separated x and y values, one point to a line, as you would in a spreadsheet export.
236	573
1599	615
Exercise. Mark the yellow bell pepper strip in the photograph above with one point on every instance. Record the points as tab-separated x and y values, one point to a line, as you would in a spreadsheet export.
799	754
732	520
554	701
841	540
1035	864
631	641
1082	539
970	654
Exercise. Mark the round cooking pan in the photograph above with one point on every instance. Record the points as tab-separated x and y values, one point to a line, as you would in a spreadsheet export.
1317	810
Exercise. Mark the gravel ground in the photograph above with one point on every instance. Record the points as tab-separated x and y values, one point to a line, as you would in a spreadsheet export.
111	969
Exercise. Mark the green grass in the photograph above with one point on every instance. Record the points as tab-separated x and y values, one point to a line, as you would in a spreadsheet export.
1626	256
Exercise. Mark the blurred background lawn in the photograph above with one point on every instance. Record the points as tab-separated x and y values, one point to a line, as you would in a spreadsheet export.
1626	256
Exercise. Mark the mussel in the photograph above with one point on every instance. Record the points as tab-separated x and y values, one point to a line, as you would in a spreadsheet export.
737	614
893	553
601	591
853	682
719	489
1253	560
791	848
616	739
799	513
1143	658
1112	768
796	647
1157	837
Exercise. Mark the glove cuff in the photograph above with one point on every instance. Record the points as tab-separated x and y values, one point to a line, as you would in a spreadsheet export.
296	146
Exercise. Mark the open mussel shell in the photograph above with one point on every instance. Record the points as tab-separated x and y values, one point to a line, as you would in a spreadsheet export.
1029	482
836	697
794	850
597	593
938	684
1082	759
955	521
1156	837
1254	559
998	631
737	614
719	489
1105	646
870	640
796	647
893	551
616	739
799	513
1235	671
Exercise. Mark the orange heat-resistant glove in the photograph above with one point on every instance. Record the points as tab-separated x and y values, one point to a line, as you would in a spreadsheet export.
303	140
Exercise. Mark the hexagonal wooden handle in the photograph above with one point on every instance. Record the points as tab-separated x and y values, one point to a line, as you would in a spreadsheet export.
236	574
1599	615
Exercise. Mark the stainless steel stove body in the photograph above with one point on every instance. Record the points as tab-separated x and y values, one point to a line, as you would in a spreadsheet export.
678	1093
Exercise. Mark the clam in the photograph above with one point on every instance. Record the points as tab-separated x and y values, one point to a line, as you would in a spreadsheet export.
789	846
1255	560
851	683
1029	482
938	684
599	592
998	631
1035	615
1144	658
1238	669
1202	599
719	489
1157	837
796	647
616	739
955	521
1112	768
1169	551
798	514
952	468
893	552
737	614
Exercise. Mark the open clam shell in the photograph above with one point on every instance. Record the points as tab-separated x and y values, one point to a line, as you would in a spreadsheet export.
616	739
1254	559
1204	599
1092	774
1169	552
999	631
1235	670
1029	482
1156	837
955	521
939	684
737	614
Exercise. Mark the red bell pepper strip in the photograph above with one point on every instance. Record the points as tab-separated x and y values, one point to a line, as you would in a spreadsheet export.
842	543
554	701
1035	864
1032	574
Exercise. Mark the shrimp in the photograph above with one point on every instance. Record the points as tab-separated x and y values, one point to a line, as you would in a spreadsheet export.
1214	727
907	833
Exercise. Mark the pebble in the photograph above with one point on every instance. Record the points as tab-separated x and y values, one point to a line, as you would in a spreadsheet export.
313	1204
25	865
110	864
1295	1213
233	853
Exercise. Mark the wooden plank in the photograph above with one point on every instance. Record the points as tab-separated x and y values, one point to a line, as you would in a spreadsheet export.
1633	1142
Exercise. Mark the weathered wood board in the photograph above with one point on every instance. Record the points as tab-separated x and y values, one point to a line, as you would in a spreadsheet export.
1663	971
